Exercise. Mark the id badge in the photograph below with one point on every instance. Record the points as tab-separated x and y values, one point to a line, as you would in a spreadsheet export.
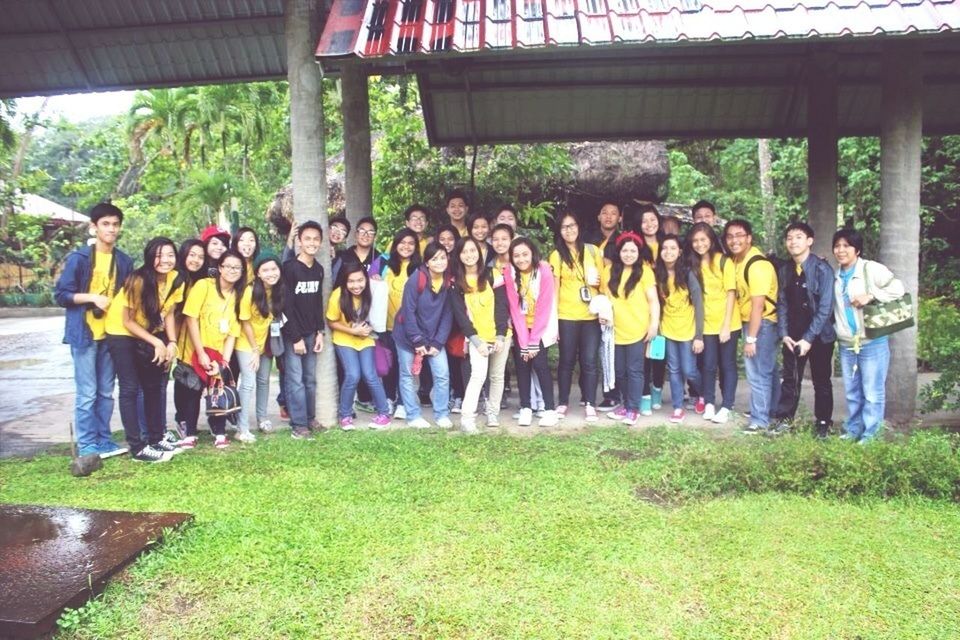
523	306
585	294
274	329
224	325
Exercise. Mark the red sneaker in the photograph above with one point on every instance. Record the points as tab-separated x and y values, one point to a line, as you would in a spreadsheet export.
283	413
700	407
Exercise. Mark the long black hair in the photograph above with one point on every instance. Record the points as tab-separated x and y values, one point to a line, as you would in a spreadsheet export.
636	269
235	245
534	258
459	270
694	261
681	269
396	260
190	277
141	285
240	284
447	227
562	248
349	312
272	304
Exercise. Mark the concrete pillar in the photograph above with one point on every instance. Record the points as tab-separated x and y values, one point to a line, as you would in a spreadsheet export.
357	171
901	121
302	25
822	139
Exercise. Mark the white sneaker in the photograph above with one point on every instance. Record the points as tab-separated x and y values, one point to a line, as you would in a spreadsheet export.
525	417
709	412
549	419
493	420
418	423
468	424
400	413
246	436
444	422
721	416
266	427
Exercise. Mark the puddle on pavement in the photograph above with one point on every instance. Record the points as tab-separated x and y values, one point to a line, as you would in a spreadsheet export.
57	557
16	364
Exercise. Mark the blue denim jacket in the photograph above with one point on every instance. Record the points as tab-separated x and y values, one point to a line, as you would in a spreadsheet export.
819	276
75	278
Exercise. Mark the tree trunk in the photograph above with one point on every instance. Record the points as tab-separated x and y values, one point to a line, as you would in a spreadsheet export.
31	123
901	118
766	193
357	172
303	19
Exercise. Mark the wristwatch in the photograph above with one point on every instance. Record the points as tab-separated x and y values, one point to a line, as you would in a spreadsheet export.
750	340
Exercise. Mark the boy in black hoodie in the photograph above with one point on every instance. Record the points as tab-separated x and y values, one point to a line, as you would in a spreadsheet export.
303	330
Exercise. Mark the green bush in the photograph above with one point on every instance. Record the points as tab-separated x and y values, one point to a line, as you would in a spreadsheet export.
688	465
938	348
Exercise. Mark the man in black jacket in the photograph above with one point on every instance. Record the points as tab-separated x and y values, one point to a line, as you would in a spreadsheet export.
303	330
805	324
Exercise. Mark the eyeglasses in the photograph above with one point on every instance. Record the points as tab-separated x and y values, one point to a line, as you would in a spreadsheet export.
736	236
369	233
417	219
569	227
232	267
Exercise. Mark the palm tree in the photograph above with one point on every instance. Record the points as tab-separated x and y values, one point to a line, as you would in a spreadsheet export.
159	125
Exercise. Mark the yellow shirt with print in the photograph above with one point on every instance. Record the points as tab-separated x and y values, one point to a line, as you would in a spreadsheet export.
342	338
571	279
527	297
677	320
654	249
216	315
763	282
168	301
261	326
395	284
480	306
718	279
631	314
101	282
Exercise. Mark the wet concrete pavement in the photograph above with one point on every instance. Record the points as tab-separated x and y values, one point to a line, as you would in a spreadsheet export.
56	557
37	392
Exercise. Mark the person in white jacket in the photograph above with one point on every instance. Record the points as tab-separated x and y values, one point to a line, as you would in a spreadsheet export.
864	361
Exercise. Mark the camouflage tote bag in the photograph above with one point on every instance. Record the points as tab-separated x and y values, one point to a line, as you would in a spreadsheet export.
883	318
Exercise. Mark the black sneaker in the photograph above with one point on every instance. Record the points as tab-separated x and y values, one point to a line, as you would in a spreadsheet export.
753	429
782	427
151	454
608	404
301	433
822	429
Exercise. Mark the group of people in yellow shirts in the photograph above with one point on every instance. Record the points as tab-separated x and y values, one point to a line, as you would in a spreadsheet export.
628	308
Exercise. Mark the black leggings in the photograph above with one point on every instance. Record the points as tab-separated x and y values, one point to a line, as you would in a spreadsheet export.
578	338
541	365
136	372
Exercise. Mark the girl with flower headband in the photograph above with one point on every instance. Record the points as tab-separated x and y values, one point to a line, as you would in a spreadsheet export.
630	285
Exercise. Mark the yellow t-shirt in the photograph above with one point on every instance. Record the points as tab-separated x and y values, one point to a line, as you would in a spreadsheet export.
101	282
114	320
527	296
717	282
654	249
260	325
217	316
395	284
480	306
570	280
251	274
342	338
677	321
631	314
763	282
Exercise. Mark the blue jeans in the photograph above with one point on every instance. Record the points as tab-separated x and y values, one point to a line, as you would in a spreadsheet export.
439	395
864	379
682	365
300	377
628	361
722	357
357	365
93	374
254	388
763	375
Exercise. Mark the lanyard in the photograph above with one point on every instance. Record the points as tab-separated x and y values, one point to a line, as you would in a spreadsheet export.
111	271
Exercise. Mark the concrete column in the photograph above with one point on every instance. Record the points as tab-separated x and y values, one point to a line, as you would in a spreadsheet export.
901	121
357	171
822	136
302	25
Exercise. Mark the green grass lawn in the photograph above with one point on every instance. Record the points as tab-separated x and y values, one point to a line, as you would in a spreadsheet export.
400	534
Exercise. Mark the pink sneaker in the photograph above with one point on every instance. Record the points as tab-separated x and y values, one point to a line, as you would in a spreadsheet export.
221	442
346	423
618	414
630	418
188	442
380	421
591	413
562	411
677	416
700	407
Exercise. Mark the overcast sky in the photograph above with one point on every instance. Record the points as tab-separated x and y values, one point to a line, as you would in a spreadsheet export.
78	107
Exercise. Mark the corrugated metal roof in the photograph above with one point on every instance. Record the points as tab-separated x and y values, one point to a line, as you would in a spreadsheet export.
377	28
60	46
